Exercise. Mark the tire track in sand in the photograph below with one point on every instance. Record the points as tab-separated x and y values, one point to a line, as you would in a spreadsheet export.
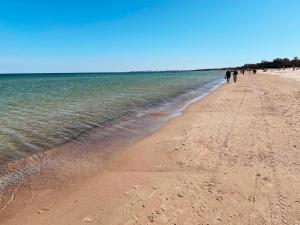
211	183
279	215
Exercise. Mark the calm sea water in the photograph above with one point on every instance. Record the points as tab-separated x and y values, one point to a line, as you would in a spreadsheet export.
41	111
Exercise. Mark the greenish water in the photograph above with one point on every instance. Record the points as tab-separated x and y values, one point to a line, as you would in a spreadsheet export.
41	111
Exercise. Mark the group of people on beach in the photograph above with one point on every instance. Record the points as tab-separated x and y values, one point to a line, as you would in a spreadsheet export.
235	73
228	75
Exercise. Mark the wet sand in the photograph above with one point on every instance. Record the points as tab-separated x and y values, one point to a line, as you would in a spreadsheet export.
231	158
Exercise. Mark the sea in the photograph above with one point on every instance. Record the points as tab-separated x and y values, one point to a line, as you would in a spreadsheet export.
40	113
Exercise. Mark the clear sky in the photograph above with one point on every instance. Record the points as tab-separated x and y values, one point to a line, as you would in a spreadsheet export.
126	35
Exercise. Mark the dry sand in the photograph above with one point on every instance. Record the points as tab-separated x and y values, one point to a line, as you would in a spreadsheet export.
286	73
231	158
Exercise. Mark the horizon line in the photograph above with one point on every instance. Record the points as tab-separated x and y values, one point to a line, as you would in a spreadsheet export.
134	71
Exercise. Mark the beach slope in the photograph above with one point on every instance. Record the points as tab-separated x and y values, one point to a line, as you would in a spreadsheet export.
231	158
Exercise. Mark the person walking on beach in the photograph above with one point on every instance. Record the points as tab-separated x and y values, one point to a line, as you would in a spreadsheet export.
227	76
235	73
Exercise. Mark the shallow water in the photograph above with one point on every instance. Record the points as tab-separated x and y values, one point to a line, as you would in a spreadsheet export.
39	112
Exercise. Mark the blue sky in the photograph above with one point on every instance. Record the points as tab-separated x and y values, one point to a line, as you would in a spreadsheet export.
126	35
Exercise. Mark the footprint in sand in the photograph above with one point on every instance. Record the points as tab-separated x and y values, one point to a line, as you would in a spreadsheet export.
42	211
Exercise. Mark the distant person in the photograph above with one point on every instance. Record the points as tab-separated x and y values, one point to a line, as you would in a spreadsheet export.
235	73
228	76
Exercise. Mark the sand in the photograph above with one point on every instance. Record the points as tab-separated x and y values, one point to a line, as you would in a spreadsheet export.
286	73
231	158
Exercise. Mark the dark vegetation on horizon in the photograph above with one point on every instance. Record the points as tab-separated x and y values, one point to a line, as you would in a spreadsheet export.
276	63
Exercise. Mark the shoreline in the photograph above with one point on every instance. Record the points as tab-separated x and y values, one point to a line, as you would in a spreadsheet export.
35	123
57	167
158	178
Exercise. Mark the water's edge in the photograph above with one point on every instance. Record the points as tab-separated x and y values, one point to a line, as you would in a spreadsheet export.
81	156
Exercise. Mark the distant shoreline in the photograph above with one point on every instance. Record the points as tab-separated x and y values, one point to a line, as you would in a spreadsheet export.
147	71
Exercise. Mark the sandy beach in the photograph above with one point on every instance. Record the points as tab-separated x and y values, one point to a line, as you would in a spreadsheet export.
231	158
286	73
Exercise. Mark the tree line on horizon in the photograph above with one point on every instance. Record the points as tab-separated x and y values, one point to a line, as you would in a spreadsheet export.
276	63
